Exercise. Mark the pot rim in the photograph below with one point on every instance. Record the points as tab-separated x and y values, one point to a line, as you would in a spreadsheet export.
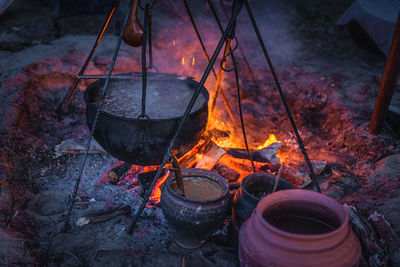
251	196
188	172
91	87
299	195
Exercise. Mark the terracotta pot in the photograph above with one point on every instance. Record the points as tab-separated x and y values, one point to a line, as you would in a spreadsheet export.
298	228
195	220
245	201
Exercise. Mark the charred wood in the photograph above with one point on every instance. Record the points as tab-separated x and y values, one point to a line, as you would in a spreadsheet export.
372	249
76	146
116	173
103	216
227	172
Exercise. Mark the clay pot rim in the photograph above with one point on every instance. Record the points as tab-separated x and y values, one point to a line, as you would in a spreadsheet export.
344	220
188	172
251	196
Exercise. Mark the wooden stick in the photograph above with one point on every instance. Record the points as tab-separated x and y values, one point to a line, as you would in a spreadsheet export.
388	83
219	81
278	176
178	176
102	217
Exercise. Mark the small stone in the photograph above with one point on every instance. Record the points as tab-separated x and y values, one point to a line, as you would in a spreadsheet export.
227	172
387	174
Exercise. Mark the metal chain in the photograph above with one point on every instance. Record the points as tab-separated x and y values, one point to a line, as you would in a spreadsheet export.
150	39
144	63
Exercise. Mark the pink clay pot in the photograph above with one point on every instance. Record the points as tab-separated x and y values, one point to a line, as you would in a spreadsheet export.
304	228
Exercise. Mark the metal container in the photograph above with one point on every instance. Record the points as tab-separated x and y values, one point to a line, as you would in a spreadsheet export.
125	138
244	202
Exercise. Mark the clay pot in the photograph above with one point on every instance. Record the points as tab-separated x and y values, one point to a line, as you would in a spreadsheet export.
245	201
195	220
298	228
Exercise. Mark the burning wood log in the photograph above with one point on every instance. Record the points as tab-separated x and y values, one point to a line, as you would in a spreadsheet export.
373	252
76	146
103	216
298	173
190	159
266	155
116	173
212	153
298	178
227	172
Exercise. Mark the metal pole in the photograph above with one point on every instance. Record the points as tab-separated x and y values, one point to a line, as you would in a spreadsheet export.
388	83
228	108
63	106
187	112
100	105
278	86
240	48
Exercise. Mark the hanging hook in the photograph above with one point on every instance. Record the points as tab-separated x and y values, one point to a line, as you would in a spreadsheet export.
231	50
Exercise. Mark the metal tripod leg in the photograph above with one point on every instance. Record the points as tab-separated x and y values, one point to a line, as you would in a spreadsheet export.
63	106
99	107
278	86
187	112
228	108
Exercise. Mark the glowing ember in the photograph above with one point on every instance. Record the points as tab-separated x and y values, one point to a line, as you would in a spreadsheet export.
156	194
271	140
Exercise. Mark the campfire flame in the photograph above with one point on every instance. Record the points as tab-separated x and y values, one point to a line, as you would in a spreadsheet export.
156	194
271	140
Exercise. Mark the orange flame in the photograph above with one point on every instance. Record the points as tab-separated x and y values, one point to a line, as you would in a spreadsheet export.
156	194
183	61
193	62
271	140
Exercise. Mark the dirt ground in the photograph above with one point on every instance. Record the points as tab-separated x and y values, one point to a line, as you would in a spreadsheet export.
330	83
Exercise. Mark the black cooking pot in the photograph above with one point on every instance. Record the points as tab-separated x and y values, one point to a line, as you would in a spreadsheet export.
244	201
144	141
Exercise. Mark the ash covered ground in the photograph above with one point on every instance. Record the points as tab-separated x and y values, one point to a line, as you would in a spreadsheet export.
330	83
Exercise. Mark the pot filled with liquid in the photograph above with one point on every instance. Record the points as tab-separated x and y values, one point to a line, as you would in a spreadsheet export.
201	211
143	140
298	228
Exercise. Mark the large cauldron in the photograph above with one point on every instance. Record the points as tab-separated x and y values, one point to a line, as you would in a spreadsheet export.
125	138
